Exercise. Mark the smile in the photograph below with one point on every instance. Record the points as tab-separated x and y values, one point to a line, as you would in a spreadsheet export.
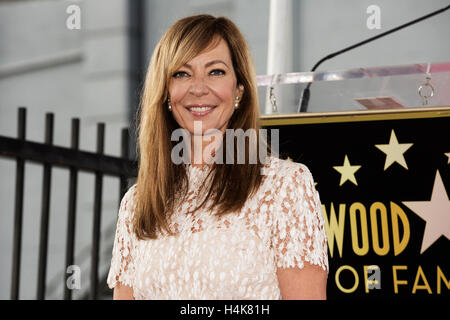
200	110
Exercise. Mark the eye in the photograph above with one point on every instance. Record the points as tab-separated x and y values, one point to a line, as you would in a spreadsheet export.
217	72
180	74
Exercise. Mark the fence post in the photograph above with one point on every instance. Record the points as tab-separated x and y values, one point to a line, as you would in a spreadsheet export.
97	215
18	209
71	222
125	144
45	212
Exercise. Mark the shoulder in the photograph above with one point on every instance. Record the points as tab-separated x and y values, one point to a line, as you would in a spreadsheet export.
287	171
291	184
131	192
127	204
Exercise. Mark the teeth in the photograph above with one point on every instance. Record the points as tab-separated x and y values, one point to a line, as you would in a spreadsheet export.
202	109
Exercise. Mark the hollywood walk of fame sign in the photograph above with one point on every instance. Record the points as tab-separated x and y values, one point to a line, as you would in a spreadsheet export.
384	182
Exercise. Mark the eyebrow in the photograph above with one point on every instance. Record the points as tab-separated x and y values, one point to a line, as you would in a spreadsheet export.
208	64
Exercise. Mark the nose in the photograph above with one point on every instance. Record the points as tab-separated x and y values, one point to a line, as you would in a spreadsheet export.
199	86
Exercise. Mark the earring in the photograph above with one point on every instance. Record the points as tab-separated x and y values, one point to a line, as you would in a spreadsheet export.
236	104
170	106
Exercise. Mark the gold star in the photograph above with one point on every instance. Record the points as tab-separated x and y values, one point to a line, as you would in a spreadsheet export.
394	151
435	212
448	155
347	171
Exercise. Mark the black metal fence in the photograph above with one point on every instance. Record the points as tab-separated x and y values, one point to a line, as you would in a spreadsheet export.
75	161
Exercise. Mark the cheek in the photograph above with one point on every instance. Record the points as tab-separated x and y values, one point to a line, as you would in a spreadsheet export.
177	92
225	91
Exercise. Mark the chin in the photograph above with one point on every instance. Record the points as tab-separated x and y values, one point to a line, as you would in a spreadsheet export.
204	127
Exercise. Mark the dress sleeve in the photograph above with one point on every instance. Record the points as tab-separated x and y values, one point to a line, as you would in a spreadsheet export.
298	229
122	263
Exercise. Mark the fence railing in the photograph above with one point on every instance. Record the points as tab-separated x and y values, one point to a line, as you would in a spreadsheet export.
75	161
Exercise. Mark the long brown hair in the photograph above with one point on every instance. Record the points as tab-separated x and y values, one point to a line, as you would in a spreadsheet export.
160	181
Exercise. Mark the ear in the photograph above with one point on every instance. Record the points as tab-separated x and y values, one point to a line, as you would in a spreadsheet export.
239	91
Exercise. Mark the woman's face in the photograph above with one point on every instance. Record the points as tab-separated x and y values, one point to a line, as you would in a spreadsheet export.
205	90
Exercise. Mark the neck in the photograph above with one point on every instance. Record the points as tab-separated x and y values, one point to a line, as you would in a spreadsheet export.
203	148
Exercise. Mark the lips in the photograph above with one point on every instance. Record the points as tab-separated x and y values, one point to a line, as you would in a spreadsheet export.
200	109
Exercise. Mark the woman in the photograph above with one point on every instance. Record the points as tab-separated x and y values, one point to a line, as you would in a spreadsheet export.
210	230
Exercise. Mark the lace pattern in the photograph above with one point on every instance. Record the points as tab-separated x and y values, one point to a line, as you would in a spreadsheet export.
122	265
233	257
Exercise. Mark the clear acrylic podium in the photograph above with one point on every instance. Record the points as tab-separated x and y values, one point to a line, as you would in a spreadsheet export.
397	87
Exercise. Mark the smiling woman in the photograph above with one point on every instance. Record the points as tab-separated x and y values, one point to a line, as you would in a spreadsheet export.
213	230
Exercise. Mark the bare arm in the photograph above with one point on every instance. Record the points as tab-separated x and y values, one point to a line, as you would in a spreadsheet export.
308	283
122	292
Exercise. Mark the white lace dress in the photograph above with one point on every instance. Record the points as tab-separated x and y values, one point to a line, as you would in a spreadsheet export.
235	257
